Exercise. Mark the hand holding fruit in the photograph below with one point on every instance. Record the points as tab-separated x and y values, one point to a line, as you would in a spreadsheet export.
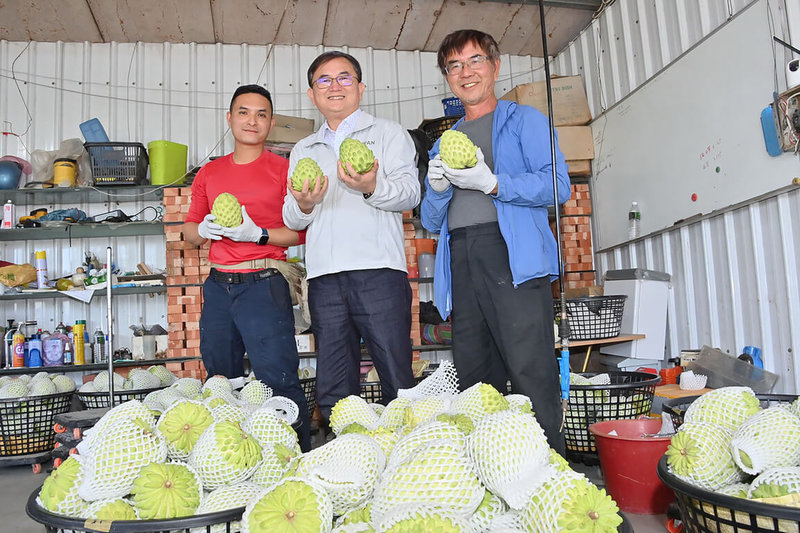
208	229
247	231
479	177
436	176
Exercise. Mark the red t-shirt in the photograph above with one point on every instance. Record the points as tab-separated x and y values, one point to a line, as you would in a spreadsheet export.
260	186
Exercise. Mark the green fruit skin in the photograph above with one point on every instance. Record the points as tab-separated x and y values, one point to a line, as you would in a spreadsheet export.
228	210
457	150
306	169
357	154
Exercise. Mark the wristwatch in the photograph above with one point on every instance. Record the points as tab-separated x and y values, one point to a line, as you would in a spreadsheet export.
264	239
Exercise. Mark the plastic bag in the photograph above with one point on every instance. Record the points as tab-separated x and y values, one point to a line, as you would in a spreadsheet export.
42	161
16	275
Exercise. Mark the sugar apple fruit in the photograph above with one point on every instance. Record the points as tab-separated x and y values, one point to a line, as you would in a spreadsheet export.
182	424
225	454
700	454
164	491
457	150
111	509
306	169
228	210
293	505
59	492
357	154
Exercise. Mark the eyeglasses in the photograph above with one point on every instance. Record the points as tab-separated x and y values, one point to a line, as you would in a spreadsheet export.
474	63
345	80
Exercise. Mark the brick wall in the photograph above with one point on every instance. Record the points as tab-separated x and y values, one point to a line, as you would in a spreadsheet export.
576	236
409	236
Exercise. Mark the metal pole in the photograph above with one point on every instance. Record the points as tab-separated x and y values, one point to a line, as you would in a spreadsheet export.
563	329
109	351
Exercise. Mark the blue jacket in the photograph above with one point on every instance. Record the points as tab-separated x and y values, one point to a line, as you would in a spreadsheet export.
522	163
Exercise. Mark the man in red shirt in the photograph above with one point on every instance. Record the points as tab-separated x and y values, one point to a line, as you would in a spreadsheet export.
247	302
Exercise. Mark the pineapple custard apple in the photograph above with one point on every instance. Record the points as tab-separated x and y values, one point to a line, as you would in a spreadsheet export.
306	169
357	154
228	210
457	150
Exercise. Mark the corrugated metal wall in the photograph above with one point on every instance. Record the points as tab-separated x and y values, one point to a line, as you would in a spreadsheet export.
735	272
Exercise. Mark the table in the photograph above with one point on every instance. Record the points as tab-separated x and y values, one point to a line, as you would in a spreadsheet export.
622	337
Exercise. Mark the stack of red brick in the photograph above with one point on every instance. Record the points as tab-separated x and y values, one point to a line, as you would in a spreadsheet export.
409	236
187	268
576	235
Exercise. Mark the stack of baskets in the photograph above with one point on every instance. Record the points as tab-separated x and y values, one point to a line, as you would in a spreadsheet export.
26	424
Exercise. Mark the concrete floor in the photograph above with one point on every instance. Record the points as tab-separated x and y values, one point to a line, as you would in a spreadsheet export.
18	482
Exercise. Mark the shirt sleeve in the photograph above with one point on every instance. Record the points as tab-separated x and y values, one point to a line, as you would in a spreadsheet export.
198	208
292	216
397	185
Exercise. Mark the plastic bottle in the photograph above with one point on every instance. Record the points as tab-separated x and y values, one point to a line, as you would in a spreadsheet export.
54	347
634	219
9	215
35	350
68	359
100	346
41	268
79	341
18	347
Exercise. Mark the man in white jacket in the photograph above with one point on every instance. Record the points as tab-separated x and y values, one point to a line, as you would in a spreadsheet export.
355	253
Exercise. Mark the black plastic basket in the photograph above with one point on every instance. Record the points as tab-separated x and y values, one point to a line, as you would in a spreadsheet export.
593	317
676	407
96	400
434	127
118	163
206	523
371	390
704	511
629	395
309	386
26	424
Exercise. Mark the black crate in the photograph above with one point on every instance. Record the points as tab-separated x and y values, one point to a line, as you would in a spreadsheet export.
118	163
592	317
371	390
629	395
704	511
26	424
96	400
434	127
309	386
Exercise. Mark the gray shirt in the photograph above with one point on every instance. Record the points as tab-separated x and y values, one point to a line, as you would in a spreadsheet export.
469	207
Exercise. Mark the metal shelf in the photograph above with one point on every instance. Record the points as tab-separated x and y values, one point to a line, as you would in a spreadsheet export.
93	366
80	195
365	355
154	289
82	231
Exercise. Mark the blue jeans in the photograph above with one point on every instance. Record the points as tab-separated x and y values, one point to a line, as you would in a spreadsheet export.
345	307
254	317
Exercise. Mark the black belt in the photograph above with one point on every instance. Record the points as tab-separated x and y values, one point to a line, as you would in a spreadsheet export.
241	277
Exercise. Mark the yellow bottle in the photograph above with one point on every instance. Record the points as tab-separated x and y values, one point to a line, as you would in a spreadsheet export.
78	342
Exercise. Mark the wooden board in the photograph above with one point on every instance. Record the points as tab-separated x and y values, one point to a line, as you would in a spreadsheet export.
674	390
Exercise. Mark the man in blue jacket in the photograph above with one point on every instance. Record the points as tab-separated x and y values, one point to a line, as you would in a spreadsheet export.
497	255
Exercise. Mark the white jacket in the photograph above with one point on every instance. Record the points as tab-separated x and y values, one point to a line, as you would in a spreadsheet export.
346	232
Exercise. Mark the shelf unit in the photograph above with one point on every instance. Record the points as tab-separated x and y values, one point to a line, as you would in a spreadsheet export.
150	289
83	230
92	367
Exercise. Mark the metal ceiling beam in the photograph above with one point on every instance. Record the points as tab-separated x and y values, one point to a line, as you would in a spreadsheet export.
588	5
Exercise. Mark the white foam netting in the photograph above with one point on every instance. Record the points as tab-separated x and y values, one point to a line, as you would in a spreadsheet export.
352	410
189	387
179	414
541	512
424	409
788	477
72	504
348	467
438	472
217	385
265	499
443	380
490	508
511	455
272	467
598	379
359	527
768	439
692	381
256	392
283	408
115	460
377	408
224	498
728	407
228	412
393	415
479	400
92	510
520	402
407	445
225	454
268	428
128	410
423	516
713	465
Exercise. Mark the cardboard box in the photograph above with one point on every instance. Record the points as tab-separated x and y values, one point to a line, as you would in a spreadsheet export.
581	167
576	142
290	129
570	106
305	343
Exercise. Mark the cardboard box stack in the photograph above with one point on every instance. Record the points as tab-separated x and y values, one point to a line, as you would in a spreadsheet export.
571	115
187	268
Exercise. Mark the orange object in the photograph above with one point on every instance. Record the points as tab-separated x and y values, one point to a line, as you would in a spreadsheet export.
670	375
413	272
425	245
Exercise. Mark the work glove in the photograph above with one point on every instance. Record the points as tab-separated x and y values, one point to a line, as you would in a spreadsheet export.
208	229
479	178
436	175
247	231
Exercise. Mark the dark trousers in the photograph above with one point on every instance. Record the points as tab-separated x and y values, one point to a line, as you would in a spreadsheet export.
502	332
254	316
345	307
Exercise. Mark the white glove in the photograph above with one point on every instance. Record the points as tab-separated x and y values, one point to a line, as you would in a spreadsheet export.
247	231
436	175
479	178
208	229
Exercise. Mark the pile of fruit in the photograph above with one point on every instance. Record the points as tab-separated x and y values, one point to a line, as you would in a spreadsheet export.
431	460
41	384
730	444
157	376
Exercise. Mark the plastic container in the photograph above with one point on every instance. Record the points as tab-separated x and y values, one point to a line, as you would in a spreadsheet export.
64	170
425	245
79	341
629	459
26	424
118	163
593	317
676	407
93	131
453	107
167	162
723	371
99	346
35	350
669	376
634	221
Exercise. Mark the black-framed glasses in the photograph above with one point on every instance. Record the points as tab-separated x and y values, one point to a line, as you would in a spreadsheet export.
474	62
345	80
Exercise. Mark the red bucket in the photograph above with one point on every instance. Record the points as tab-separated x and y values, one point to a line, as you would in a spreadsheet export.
629	462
